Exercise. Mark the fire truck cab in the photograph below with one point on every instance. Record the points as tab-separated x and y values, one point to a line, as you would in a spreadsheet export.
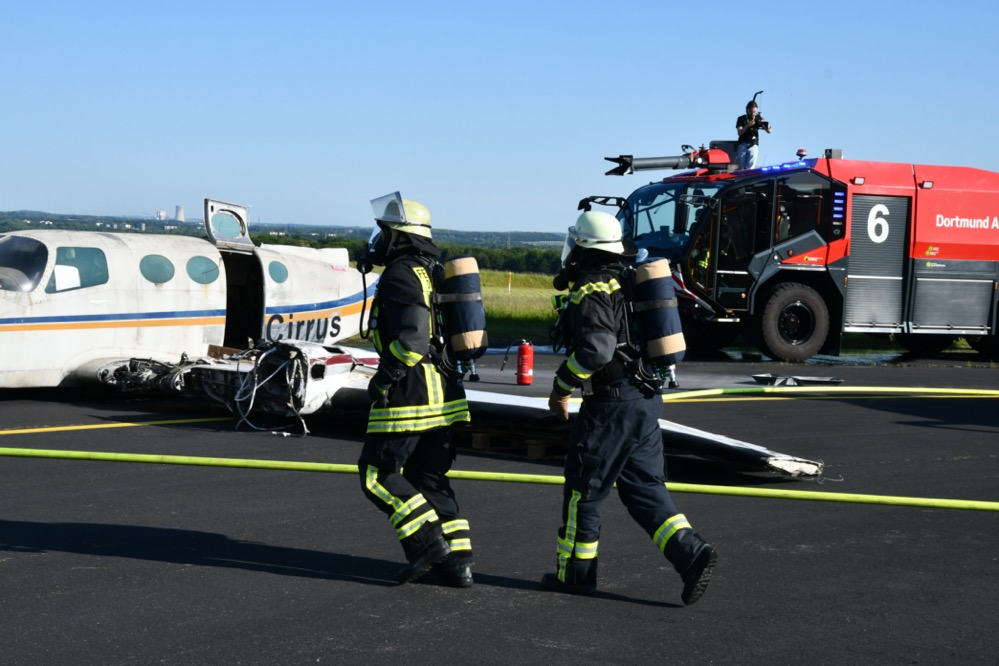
796	254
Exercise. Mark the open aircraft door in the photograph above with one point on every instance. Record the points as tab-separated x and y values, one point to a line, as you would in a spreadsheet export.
227	226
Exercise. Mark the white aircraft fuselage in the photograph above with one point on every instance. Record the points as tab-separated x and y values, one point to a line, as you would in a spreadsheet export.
72	301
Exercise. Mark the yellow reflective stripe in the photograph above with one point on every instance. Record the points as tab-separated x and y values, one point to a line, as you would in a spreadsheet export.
570	535
407	357
454	525
407	508
435	389
586	551
415	411
378	490
414	525
425	283
668	529
418	425
565	387
460	544
592	287
576	368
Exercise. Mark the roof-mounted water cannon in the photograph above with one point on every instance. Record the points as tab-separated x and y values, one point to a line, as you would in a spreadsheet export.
713	158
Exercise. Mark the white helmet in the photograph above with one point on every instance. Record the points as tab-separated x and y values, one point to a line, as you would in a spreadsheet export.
597	230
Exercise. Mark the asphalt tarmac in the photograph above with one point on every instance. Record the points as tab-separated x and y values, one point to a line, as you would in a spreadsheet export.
125	563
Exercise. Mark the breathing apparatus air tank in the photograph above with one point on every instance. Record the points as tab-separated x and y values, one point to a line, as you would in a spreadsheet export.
658	319
464	314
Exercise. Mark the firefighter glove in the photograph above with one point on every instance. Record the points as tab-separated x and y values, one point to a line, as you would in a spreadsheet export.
558	404
379	388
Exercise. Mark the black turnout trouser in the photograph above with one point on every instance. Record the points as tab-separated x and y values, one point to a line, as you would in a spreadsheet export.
404	475
616	438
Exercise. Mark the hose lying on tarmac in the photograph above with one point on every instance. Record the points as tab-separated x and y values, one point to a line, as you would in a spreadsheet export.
292	466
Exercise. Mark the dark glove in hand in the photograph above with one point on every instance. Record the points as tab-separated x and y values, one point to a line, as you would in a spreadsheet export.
378	390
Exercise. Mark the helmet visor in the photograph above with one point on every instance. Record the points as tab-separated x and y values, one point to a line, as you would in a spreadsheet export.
389	208
373	239
568	246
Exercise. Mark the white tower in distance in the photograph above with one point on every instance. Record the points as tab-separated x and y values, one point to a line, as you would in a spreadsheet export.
180	214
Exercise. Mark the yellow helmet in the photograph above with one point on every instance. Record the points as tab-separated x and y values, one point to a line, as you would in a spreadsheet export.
400	214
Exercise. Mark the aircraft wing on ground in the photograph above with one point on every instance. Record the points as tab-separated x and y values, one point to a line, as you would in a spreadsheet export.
296	379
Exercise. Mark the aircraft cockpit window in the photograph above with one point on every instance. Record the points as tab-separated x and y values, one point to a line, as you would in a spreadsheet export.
77	268
156	268
202	270
277	271
22	263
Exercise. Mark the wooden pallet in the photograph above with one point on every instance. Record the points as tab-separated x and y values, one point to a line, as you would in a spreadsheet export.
529	445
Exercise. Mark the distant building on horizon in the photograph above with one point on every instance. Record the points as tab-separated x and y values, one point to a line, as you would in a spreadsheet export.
161	215
180	214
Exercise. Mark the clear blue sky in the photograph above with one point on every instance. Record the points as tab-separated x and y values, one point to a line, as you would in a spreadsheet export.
497	116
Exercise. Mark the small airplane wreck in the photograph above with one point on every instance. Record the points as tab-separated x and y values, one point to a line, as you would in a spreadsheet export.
255	328
292	380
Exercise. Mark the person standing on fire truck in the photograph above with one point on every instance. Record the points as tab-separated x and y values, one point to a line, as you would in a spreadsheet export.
749	126
408	449
616	435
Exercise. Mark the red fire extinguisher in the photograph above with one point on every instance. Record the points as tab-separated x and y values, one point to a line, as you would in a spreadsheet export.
525	362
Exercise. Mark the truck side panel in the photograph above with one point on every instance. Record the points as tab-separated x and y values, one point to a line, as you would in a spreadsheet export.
955	251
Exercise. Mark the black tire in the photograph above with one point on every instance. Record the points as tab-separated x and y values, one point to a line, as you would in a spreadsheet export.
986	345
794	324
924	345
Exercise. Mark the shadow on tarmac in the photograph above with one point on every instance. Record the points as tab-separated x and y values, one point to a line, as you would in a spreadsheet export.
207	549
966	414
191	547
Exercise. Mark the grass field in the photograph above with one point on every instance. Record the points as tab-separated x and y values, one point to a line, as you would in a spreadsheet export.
518	307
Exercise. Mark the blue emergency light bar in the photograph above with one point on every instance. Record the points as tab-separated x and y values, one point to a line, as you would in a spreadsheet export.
786	166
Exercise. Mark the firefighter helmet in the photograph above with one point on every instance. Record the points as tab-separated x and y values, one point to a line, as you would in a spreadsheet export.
596	230
404	215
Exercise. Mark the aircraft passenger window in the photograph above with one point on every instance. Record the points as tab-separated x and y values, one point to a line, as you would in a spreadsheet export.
156	268
77	268
278	271
202	270
22	263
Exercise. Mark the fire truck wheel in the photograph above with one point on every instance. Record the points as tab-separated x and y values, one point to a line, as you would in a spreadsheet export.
794	324
986	345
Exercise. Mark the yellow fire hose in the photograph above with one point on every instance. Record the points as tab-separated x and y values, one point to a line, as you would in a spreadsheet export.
771	493
291	466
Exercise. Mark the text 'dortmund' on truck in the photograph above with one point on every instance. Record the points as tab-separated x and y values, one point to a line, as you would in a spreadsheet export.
797	254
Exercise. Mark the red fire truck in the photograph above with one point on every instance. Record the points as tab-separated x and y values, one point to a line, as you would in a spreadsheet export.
796	254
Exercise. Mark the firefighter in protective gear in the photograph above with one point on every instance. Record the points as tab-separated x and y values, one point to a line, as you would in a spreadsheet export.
408	448
616	436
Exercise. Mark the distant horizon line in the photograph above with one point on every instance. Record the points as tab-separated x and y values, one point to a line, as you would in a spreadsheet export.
200	222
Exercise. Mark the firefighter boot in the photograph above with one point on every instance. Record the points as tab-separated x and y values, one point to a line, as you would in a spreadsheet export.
580	578
424	559
452	572
693	559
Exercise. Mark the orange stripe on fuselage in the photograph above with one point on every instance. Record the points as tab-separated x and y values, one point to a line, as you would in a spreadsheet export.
131	323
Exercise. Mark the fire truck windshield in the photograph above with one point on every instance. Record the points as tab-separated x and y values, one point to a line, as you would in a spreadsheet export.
660	217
